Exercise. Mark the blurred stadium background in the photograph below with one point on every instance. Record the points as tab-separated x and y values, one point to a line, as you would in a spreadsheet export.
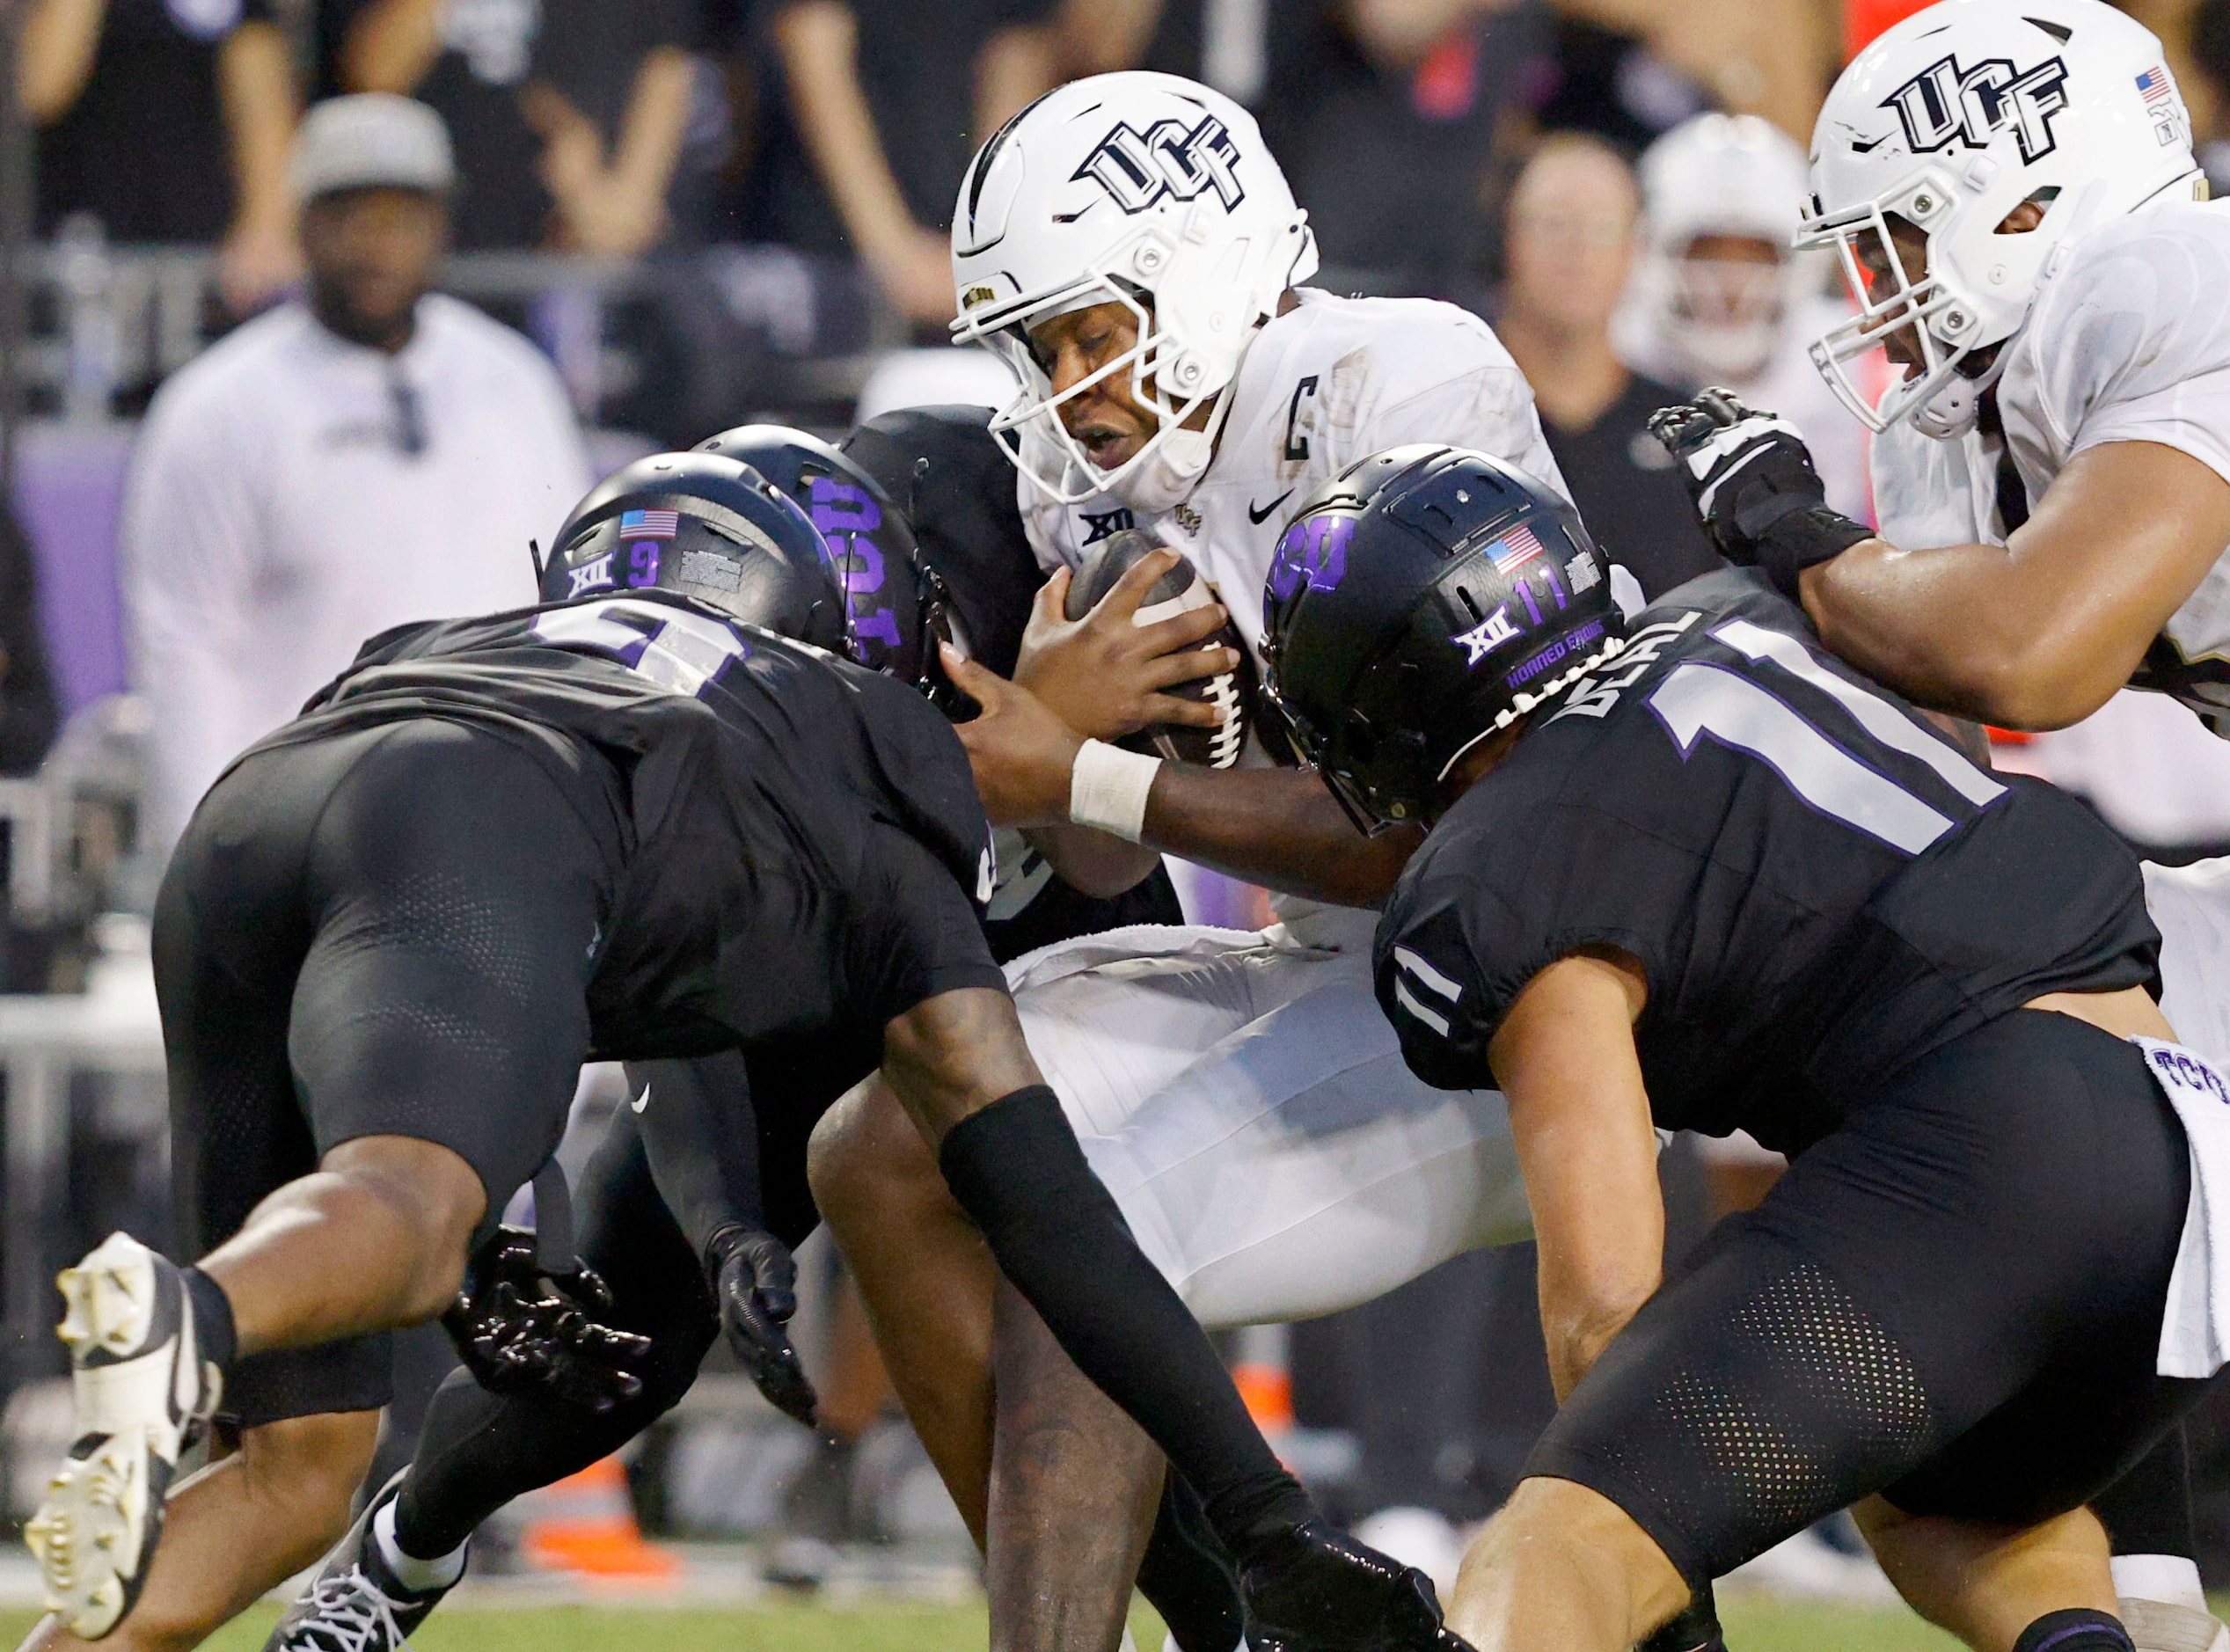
705	212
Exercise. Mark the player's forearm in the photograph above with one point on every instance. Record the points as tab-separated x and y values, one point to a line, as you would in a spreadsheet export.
700	1135
1960	629
1279	828
1092	862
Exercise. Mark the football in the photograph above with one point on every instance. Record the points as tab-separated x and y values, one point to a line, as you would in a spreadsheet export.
1231	693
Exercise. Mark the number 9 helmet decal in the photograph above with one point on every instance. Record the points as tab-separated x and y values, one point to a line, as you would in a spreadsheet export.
707	528
1139	189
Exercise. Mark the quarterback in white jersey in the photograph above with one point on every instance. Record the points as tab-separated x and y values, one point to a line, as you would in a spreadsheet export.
2012	191
1130	248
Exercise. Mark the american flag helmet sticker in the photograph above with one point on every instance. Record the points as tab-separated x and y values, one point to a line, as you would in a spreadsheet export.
649	525
2155	86
1514	550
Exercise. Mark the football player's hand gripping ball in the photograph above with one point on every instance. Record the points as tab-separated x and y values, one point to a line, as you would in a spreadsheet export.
519	1326
755	1282
1755	487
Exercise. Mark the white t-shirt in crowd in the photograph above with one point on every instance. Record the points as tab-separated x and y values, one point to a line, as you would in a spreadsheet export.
275	516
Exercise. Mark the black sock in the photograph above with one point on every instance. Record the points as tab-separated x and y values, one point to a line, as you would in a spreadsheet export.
1016	1169
1187	1575
2077	1630
213	1333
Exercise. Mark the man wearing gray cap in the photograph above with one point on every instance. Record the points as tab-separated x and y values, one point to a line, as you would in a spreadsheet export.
372	455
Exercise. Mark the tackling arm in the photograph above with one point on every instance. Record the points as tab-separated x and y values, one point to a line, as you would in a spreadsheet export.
2038	633
1564	1057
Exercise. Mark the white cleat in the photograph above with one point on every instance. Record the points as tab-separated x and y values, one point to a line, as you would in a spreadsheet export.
2159	1625
141	1395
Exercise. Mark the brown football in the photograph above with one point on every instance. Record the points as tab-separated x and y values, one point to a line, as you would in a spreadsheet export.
1231	693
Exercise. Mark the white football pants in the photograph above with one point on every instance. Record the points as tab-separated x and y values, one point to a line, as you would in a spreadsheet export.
1244	1099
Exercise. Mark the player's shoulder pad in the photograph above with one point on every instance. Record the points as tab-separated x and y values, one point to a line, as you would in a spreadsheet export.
2148	293
1416	339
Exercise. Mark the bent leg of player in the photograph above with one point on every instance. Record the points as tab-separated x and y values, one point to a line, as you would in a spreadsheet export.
1245	1102
368	951
1954	1301
478	1451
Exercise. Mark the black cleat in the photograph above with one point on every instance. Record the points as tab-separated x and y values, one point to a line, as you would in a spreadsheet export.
1315	1589
354	1603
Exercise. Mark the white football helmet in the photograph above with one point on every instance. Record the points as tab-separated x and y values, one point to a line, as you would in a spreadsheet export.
1951	121
1711	320
1141	189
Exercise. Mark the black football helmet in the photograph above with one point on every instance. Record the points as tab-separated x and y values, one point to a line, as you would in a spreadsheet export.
1422	599
707	528
899	607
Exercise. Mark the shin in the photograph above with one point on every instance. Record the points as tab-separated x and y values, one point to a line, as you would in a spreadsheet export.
1986	1584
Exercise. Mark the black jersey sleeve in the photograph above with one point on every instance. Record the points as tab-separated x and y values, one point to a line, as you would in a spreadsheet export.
700	1134
942	468
913	933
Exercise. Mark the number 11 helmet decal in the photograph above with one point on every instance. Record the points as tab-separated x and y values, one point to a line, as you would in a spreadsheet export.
1947	123
708	528
1422	599
1144	190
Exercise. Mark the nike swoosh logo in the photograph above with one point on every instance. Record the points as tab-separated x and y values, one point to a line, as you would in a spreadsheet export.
642	1100
1871	145
1258	517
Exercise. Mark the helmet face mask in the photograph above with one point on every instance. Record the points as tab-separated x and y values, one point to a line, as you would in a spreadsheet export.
1143	190
1953	120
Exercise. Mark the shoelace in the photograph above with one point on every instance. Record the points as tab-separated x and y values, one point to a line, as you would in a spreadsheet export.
347	1613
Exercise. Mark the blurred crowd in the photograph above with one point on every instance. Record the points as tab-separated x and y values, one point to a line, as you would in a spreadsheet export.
1612	182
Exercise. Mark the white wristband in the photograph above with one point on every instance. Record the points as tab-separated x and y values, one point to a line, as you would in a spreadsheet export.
1108	789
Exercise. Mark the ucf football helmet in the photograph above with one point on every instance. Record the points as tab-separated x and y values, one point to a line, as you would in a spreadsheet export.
1141	189
1951	121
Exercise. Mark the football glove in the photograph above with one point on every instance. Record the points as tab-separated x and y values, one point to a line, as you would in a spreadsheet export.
1754	486
519	1326
755	1282
1311	1588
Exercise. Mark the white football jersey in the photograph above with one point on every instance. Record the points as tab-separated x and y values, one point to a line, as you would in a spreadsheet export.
2129	341
1328	383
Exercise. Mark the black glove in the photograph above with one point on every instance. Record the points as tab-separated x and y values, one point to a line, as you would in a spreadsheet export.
1311	1588
518	1326
755	1282
1751	477
1695	1628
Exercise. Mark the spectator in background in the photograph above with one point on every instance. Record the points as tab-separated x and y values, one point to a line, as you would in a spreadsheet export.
376	455
1569	239
569	116
1718	297
168	120
880	106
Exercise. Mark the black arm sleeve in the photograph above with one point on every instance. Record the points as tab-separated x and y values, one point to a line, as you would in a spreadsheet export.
701	1135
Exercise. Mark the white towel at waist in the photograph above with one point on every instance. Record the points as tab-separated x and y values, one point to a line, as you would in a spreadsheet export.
2195	1330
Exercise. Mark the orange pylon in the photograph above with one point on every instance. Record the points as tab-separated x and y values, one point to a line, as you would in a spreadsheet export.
586	1523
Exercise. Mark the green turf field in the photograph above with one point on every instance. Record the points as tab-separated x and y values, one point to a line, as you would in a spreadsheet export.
1752	1625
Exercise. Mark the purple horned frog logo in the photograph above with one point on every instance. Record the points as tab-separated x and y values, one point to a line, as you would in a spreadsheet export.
845	517
1314	552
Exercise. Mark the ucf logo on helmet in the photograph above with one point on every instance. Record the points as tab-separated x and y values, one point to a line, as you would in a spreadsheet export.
1167	159
1943	102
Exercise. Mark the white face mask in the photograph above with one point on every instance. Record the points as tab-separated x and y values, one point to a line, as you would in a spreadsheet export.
1726	315
1165	477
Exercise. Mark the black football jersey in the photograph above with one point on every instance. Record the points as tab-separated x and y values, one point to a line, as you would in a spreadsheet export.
795	842
1819	885
958	489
